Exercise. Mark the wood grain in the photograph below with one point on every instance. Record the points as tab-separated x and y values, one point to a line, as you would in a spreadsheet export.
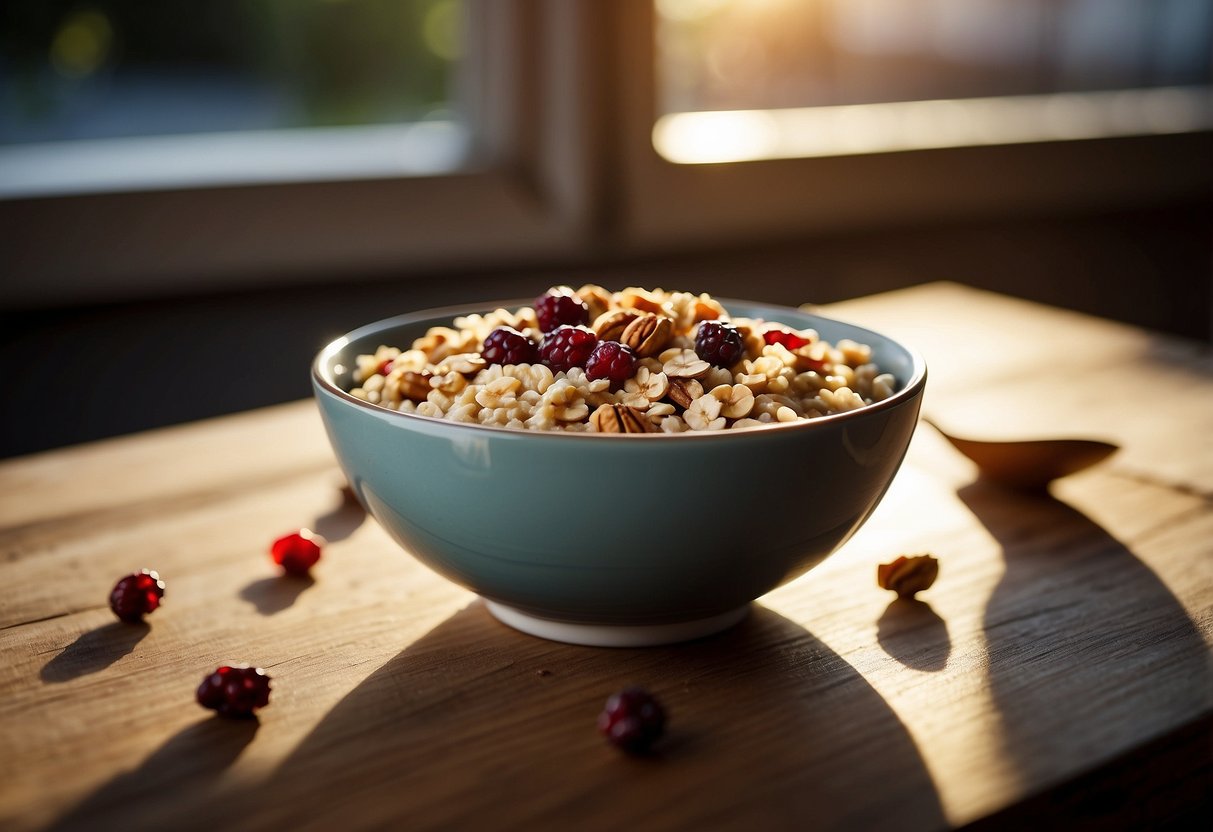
1068	633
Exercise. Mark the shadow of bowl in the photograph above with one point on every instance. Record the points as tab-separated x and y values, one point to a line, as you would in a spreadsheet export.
478	726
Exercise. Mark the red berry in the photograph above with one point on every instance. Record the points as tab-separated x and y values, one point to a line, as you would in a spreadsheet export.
506	345
136	595
235	691
558	306
297	552
779	335
633	720
611	360
385	367
567	347
719	343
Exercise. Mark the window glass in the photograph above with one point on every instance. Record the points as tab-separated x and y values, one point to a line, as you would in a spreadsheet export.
762	54
743	80
101	69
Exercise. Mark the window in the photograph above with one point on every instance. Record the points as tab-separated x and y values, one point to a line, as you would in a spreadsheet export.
854	118
784	79
226	92
172	147
769	54
260	142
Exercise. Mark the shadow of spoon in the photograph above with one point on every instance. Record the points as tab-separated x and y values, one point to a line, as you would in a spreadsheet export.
1029	464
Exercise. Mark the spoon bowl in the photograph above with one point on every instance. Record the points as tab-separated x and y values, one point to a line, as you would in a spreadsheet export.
1029	464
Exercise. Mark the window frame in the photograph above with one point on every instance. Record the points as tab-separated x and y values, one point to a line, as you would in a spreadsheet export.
663	205
525	194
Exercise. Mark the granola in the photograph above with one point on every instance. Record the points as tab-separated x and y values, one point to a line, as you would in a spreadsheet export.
657	382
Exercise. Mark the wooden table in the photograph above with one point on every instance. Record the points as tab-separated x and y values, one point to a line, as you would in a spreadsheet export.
1059	669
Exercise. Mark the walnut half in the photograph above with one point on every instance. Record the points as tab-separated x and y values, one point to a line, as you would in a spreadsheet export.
647	335
414	386
908	575
610	325
618	418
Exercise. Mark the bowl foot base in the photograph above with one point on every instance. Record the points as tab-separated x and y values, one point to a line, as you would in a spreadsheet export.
615	635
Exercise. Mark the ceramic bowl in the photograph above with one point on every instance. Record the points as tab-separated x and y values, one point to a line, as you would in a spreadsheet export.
618	539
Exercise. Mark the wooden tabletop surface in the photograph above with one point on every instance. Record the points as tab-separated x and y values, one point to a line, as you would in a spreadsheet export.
1059	668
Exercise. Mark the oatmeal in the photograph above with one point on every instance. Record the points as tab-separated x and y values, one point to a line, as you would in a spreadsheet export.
634	361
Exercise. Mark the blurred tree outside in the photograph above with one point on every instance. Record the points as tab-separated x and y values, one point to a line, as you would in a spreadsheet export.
110	68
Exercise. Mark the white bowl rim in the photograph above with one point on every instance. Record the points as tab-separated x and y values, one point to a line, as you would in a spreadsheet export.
909	390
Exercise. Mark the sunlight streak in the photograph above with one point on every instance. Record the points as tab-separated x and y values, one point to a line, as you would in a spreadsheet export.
750	135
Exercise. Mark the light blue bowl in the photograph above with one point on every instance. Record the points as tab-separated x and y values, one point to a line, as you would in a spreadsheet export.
618	539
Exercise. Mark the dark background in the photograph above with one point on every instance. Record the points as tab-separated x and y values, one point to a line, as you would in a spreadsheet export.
79	373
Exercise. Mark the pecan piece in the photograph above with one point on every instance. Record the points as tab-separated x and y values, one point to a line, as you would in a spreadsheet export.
647	335
683	391
610	325
908	575
414	386
618	418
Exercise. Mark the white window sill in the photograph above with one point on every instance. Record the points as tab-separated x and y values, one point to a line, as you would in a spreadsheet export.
815	132
152	163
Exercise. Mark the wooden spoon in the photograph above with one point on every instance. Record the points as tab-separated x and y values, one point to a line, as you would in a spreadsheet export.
1029	463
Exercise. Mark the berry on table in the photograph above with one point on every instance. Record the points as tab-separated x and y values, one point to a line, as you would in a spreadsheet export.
136	595
719	343
611	360
297	552
567	347
235	691
558	306
506	345
632	720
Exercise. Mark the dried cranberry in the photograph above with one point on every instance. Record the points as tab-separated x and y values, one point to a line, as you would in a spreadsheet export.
506	345
786	337
719	343
385	367
611	360
297	552
136	595
235	691
567	347
633	720
559	306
